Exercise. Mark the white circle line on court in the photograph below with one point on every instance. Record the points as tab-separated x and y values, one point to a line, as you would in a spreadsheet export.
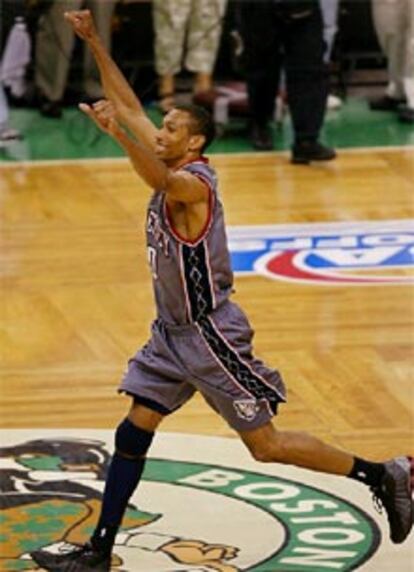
199	465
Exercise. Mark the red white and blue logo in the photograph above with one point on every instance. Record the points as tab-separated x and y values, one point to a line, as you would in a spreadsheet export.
343	253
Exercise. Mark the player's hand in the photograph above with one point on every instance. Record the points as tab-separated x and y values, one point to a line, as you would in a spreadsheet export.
103	113
82	24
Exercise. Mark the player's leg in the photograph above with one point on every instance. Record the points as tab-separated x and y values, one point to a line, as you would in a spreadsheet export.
391	482
159	387
133	438
247	394
266	444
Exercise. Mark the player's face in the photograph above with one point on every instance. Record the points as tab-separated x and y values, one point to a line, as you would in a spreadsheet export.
174	138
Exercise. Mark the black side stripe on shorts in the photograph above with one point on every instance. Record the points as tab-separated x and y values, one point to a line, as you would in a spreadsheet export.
197	279
231	361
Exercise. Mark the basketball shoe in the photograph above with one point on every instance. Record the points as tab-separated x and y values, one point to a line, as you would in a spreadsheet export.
394	493
80	559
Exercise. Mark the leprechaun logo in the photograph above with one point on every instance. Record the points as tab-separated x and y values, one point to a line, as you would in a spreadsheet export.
207	518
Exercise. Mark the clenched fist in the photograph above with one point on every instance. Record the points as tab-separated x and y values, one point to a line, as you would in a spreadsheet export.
82	24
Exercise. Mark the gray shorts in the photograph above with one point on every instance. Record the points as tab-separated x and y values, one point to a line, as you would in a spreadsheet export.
214	357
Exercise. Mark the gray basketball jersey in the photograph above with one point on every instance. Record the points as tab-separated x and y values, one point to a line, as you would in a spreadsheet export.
190	279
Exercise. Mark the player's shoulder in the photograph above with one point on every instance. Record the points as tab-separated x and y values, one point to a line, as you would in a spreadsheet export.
202	168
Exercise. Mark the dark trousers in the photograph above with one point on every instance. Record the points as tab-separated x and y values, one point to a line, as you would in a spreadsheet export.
288	36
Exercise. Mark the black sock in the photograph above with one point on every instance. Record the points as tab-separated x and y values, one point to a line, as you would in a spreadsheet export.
366	472
123	477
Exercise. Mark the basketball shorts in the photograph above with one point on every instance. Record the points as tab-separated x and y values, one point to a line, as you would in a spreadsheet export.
213	356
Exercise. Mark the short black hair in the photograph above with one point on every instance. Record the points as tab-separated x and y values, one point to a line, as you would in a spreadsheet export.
202	122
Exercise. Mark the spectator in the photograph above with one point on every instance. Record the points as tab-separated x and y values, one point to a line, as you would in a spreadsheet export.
54	45
289	33
394	24
15	58
188	30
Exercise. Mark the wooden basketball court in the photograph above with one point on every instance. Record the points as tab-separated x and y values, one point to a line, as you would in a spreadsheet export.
77	302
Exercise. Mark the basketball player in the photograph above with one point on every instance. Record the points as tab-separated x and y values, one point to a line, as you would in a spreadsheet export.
200	340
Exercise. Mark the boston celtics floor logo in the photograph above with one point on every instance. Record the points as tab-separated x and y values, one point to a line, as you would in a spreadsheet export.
186	516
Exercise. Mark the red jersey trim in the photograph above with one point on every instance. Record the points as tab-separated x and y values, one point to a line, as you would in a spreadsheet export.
207	225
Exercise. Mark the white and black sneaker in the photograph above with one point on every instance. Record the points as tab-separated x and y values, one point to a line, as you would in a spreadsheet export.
8	135
79	559
394	493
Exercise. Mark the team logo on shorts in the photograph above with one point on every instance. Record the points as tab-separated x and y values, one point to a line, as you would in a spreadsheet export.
246	408
187	516
343	254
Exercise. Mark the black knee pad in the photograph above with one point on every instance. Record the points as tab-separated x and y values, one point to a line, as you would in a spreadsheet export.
131	441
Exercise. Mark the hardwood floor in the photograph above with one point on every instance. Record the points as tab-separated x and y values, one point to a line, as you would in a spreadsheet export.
77	301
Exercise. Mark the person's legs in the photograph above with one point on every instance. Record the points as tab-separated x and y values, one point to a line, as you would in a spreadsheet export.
54	45
133	438
329	9
204	33
170	21
307	83
166	91
7	133
102	15
262	62
247	394
387	17
293	448
4	109
390	482
159	385
407	12
330	13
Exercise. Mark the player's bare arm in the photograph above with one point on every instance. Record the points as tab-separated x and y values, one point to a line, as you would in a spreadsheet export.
187	196
179	186
129	109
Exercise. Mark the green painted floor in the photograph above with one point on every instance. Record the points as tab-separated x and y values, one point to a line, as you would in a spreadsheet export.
74	136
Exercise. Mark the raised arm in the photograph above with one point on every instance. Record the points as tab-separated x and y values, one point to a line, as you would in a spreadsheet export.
129	109
179	186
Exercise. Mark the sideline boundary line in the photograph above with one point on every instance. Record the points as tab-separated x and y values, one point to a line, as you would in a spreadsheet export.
4	163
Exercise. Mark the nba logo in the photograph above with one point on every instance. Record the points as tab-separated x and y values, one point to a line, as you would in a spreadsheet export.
342	254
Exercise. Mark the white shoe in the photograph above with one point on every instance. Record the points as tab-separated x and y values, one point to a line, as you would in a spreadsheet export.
333	102
7	135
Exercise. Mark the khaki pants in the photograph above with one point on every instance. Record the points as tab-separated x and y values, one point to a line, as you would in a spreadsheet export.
190	27
54	45
394	23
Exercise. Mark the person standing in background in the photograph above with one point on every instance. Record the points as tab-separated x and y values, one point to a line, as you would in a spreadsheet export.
15	58
186	32
286	34
394	24
54	45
